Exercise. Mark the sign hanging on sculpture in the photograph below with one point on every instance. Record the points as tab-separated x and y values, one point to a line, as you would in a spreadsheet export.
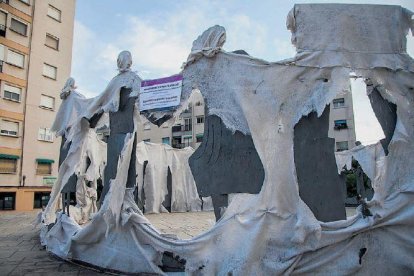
160	93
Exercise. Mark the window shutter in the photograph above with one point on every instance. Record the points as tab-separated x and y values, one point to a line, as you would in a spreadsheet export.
49	71
9	128
52	41
8	165
3	18
12	89
18	26
15	58
47	101
54	13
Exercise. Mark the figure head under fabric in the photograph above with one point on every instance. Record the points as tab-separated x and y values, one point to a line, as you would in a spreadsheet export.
69	87
124	61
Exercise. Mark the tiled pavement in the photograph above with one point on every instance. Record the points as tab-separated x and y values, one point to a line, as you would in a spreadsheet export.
22	254
183	225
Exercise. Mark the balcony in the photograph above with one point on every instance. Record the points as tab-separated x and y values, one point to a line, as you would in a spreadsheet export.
176	128
178	145
182	128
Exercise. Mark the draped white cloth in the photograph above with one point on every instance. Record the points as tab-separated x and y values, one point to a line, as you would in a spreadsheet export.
274	232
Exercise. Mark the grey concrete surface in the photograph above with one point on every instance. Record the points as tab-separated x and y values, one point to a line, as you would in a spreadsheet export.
225	163
320	186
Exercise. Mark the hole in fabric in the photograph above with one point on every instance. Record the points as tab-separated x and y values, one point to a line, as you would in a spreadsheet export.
357	184
166	191
320	186
171	263
367	131
362	252
348	119
367	127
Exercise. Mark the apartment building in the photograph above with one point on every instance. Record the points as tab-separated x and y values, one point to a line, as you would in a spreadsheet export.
341	122
187	130
36	39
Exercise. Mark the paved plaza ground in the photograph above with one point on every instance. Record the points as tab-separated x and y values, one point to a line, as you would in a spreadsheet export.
22	254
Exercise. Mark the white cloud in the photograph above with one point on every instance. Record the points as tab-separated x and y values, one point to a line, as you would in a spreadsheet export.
161	42
284	49
91	61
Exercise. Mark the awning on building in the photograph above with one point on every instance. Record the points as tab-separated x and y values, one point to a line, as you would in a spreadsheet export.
200	135
44	161
9	156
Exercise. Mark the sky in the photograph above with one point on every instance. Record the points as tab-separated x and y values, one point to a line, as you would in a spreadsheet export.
159	34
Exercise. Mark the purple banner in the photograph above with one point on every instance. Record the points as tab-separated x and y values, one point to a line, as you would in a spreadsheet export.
161	81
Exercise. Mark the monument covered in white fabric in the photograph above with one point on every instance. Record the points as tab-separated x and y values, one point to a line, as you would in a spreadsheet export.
273	232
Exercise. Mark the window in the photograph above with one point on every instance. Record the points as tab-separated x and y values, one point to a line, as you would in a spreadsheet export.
3	20
337	103
15	58
49	71
340	146
198	103
43	168
12	93
40	199
45	135
147	140
54	13
340	124
47	102
18	26
25	1
8	165
7	201
166	140
187	124
187	140
9	128
147	126
52	41
176	128
200	120
199	138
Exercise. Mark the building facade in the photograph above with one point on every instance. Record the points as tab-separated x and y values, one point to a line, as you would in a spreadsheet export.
341	122
36	38
187	130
